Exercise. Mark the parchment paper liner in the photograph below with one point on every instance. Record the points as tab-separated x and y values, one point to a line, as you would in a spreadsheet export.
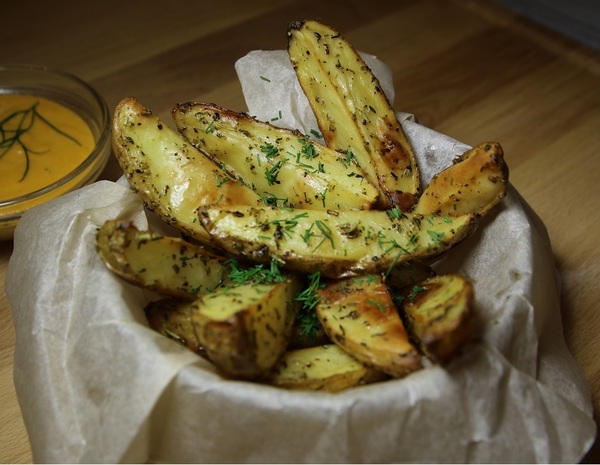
95	384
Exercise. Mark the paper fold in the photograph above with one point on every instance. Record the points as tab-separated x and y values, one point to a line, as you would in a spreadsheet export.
95	384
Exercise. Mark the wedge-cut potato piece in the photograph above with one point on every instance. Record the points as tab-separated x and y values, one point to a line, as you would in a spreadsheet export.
439	315
322	368
284	167
168	265
245	329
173	318
359	315
474	183
352	111
338	243
170	175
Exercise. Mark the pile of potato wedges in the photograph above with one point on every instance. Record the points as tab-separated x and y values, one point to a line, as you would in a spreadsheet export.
302	259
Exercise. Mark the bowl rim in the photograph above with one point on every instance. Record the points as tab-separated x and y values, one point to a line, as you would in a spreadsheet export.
99	147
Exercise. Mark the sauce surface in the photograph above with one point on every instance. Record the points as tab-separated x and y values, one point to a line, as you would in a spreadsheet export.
41	141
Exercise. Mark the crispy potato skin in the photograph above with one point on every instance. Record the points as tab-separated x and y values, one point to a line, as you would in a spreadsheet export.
169	174
173	318
326	368
168	265
440	317
359	315
352	111
283	166
475	183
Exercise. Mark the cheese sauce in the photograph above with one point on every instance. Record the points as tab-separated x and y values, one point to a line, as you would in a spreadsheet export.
41	141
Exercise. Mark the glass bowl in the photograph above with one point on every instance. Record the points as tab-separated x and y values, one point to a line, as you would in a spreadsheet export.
79	97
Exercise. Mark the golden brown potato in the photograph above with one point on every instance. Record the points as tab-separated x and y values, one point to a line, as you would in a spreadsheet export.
284	167
338	243
475	183
173	318
359	315
245	329
439	315
322	368
168	265
170	175
353	113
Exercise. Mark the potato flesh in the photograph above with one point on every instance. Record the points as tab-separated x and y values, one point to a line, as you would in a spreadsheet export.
168	265
359	315
170	175
322	368
340	243
475	183
275	162
353	112
440	318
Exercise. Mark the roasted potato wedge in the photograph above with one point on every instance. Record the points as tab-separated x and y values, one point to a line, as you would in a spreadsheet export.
338	243
359	315
322	368
173	318
353	113
439	315
474	183
170	175
284	167
244	329
168	265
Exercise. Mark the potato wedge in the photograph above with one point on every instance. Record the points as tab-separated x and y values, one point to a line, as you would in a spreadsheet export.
284	167
168	265
439	315
325	368
338	243
245	329
170	175
173	318
352	111
359	315
474	183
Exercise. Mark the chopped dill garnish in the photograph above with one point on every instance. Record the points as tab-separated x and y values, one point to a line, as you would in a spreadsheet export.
257	274
309	298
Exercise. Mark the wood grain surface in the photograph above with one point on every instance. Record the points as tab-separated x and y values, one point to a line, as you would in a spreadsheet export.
466	68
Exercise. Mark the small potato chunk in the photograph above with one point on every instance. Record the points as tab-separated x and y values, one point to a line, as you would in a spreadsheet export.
359	315
284	167
170	175
168	265
352	111
245	329
322	368
475	183
439	315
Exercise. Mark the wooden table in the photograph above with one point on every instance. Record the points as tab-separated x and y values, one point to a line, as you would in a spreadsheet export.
466	68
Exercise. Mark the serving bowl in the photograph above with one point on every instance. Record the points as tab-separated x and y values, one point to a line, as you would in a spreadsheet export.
65	172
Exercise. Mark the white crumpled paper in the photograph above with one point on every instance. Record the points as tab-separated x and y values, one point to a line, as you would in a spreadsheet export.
95	384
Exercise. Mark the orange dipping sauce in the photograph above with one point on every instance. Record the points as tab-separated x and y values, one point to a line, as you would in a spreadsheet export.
41	140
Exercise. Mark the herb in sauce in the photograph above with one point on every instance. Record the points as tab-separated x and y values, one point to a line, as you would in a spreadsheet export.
14	126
